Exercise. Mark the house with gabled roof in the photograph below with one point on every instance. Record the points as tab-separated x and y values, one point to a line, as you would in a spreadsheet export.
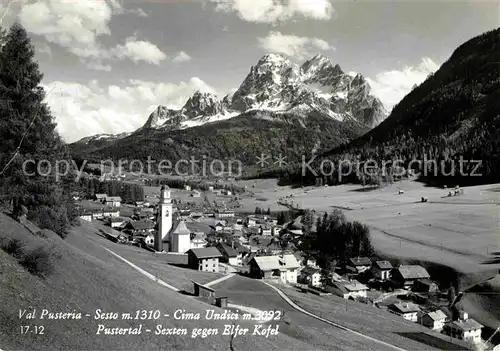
405	276
381	270
358	265
347	289
283	268
229	254
464	328
205	259
310	276
407	310
434	319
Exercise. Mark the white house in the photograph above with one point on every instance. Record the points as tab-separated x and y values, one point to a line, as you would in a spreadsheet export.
187	187
465	328
348	289
150	239
381	270
113	201
310	276
407	310
434	320
251	221
284	268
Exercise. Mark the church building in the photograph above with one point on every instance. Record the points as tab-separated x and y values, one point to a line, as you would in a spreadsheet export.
175	236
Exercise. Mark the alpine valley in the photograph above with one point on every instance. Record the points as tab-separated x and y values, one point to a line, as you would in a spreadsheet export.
291	109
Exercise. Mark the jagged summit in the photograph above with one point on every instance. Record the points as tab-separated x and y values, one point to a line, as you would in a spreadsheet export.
277	84
202	104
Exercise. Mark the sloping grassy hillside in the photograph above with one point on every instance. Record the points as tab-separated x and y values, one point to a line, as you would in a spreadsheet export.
87	278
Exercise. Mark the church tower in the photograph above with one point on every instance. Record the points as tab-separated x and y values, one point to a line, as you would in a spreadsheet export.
164	218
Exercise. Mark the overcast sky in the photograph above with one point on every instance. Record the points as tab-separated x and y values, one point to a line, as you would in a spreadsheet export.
109	63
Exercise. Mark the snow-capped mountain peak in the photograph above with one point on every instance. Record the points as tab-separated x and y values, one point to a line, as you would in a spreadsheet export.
277	84
202	104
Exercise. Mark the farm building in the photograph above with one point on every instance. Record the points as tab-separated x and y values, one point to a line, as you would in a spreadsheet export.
434	320
358	265
405	276
407	310
204	292
205	259
347	289
381	270
310	276
282	267
229	254
465	328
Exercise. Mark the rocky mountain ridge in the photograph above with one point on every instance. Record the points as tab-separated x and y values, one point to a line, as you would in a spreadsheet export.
277	84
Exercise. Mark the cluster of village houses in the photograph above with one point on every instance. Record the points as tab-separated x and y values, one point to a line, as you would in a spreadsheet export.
259	247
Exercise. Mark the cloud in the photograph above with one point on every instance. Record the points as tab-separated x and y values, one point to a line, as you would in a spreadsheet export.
99	66
83	110
391	86
181	56
77	26
270	11
138	51
120	10
43	48
292	45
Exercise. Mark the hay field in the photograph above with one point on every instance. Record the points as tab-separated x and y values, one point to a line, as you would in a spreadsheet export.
459	231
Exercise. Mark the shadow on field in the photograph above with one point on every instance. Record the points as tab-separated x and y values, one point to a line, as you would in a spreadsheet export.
431	340
179	265
364	190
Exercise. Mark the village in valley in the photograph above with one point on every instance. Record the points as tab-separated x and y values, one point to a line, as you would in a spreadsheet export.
206	230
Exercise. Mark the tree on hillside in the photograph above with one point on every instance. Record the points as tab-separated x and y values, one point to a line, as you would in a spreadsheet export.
307	221
27	131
